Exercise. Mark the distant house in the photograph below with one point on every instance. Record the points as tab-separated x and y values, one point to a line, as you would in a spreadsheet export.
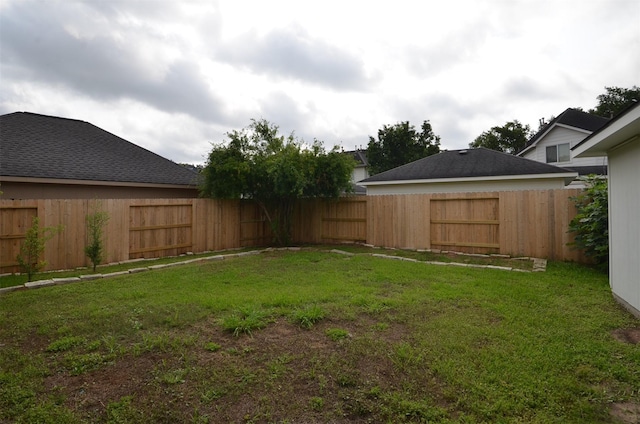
48	157
468	170
553	142
360	172
620	141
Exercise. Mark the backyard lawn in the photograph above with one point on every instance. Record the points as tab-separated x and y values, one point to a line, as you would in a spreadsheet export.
315	336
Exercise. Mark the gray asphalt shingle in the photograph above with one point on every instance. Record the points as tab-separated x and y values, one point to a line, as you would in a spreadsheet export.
40	146
479	162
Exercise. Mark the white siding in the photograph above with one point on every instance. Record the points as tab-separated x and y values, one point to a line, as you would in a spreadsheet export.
624	222
467	186
559	135
359	174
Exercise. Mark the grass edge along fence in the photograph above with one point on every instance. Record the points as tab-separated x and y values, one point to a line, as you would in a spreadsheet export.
518	223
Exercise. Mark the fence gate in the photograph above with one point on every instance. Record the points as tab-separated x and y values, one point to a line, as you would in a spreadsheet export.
468	225
344	220
14	223
159	230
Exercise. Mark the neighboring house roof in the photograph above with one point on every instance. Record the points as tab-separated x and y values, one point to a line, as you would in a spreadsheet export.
49	147
360	156
589	170
479	163
625	126
572	118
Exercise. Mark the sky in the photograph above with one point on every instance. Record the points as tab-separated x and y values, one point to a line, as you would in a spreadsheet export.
176	76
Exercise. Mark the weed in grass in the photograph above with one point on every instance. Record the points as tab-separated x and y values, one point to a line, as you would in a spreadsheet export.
81	363
307	317
64	344
381	326
247	377
94	345
50	413
155	342
212	346
377	307
111	345
175	376
347	379
211	394
405	356
336	334
135	324
245	321
122	411
278	367
316	403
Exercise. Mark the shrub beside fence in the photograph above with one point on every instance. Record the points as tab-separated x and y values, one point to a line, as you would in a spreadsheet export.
518	223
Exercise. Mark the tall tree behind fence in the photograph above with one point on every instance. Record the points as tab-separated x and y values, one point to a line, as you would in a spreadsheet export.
519	223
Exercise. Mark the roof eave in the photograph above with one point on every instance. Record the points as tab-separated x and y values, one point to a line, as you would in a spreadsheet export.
567	176
621	131
91	182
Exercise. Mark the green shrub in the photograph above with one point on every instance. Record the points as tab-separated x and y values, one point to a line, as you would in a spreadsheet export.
33	247
95	223
591	224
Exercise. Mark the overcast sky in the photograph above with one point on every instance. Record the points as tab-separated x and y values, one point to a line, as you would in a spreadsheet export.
175	76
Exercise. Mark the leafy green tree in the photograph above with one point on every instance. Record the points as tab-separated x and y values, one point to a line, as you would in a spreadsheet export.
509	138
615	100
400	144
33	246
591	224
275	171
95	224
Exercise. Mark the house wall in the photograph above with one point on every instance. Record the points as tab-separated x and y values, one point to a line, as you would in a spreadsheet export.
359	173
466	186
22	190
560	135
624	223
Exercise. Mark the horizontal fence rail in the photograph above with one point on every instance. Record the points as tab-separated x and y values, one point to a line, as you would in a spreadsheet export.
518	223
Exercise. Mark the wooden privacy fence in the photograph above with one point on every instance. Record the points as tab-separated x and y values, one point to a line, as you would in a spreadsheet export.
465	224
519	223
531	223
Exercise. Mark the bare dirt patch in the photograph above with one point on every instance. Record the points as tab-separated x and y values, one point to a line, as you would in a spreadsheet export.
627	335
626	412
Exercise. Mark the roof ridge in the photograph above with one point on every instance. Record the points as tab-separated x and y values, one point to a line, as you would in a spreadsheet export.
46	116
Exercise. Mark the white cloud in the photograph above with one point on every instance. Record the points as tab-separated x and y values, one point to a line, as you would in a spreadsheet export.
174	76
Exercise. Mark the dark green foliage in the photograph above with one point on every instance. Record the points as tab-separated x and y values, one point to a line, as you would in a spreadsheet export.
33	247
510	138
95	223
615	100
591	224
400	144
275	171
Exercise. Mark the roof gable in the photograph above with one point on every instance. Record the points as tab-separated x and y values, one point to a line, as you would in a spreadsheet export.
570	118
622	129
41	146
466	163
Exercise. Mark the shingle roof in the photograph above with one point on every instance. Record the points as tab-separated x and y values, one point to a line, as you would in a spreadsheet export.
40	146
573	118
466	163
360	156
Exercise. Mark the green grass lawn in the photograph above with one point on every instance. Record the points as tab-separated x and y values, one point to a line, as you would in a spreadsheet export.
312	336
